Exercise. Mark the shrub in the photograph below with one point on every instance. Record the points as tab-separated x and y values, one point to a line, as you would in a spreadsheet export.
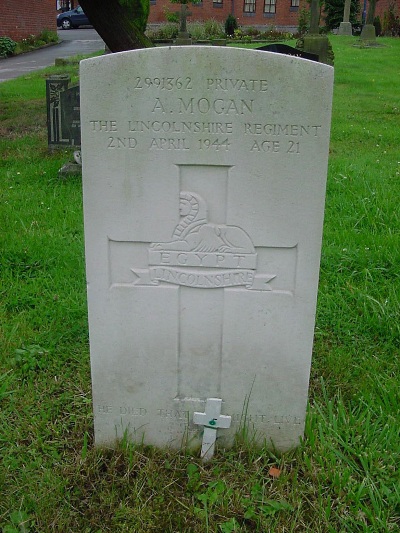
196	31
231	25
304	21
199	31
253	32
333	10
36	41
27	44
48	36
171	16
391	23
240	35
164	32
213	29
7	46
275	35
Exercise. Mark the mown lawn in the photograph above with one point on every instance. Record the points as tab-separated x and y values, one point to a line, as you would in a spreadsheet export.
344	476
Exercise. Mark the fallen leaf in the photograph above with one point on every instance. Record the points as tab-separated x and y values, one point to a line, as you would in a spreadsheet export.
274	472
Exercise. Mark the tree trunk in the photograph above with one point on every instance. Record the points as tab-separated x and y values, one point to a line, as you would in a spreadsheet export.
120	26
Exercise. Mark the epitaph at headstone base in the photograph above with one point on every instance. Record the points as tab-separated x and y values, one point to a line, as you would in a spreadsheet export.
204	175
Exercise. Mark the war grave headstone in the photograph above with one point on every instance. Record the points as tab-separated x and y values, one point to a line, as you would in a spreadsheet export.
204	173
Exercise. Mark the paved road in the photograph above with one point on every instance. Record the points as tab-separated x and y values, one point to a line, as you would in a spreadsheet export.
79	41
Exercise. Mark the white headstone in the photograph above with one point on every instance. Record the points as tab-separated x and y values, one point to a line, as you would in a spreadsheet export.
204	174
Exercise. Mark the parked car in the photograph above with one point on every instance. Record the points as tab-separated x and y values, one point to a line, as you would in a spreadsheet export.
72	19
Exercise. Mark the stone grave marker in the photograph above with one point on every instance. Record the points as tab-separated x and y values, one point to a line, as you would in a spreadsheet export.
314	42
204	174
183	37
345	27
63	112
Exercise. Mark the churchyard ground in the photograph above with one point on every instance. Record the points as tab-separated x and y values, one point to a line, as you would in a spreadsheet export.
343	477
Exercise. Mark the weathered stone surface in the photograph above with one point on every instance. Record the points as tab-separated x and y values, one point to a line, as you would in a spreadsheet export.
204	175
368	33
345	28
320	46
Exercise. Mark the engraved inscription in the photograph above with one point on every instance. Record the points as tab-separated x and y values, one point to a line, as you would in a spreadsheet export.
291	130
202	281
103	125
169	98
104	409
184	128
164	84
272	144
132	411
219	106
122	142
163	143
238	419
172	413
186	415
227	84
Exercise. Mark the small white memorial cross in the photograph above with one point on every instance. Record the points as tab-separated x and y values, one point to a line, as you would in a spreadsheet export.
212	420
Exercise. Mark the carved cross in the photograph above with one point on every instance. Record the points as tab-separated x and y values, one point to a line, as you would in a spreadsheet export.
184	13
346	14
187	270
314	17
212	420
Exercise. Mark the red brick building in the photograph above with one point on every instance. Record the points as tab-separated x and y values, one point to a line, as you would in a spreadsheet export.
282	14
21	18
278	13
382	6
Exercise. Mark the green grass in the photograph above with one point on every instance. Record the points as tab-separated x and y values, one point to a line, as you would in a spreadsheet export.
343	478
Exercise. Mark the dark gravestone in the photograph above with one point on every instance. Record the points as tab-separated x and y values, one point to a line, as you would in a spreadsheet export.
63	112
313	42
183	37
288	50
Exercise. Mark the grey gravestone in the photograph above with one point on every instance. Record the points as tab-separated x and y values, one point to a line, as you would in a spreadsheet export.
63	112
204	174
345	26
368	33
